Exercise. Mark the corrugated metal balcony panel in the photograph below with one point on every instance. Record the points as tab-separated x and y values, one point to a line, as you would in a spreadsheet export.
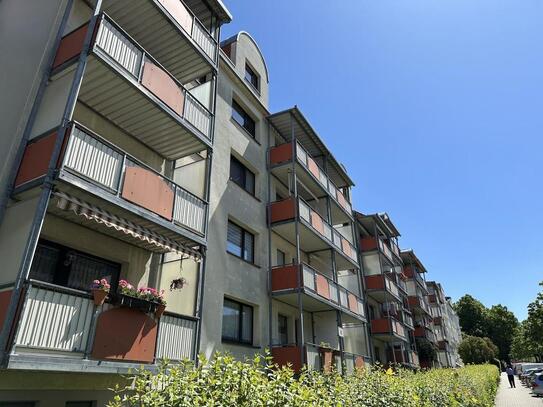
127	107
150	27
175	338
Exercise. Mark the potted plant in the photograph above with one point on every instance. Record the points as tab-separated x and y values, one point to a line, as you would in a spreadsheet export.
100	290
145	299
178	283
154	296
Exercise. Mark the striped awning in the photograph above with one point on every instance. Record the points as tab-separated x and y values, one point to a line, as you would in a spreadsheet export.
151	240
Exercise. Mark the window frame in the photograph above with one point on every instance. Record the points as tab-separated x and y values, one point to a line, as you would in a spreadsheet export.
239	339
243	240
246	171
285	319
284	255
251	72
236	107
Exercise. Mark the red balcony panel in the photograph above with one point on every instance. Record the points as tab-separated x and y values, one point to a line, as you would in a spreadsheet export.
397	356
283	210
353	303
409	272
5	298
437	320
432	298
70	46
179	12
316	222
286	355
359	362
346	247
284	278
163	86
313	167
149	190
376	282
281	154
413	301
442	345
323	289
420	332
125	334
36	159
368	243
342	201
380	326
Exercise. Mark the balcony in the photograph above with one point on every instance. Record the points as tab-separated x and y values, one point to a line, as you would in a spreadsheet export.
310	174
320	292
438	321
388	329
381	288
371	243
418	304
443	345
170	30
315	233
61	329
408	321
426	333
316	358
123	83
412	273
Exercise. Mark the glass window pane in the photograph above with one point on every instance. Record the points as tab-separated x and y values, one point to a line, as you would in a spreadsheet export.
250	125
234	236
238	114
249	182
248	247
44	264
283	329
247	324
280	258
84	269
237	172
230	320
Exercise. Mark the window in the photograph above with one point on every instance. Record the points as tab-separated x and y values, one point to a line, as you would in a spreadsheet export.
280	258
243	119
242	176
282	322
251	77
237	322
240	242
60	265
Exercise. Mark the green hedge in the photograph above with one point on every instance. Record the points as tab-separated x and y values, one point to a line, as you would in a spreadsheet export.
224	381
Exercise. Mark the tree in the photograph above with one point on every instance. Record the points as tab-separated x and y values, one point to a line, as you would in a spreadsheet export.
521	347
474	349
472	316
533	326
501	326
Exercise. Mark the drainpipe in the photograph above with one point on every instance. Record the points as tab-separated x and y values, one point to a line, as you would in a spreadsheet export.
45	195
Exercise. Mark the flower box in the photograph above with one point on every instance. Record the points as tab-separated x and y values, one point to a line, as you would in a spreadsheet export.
140	304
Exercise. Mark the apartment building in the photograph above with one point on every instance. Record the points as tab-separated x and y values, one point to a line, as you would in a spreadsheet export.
110	152
446	326
283	273
425	339
392	324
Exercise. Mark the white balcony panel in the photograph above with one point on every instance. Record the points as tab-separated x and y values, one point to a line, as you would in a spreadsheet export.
175	338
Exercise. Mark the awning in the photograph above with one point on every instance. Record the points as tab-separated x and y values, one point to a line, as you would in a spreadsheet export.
151	240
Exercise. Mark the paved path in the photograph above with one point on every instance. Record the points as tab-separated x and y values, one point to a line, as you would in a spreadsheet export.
517	397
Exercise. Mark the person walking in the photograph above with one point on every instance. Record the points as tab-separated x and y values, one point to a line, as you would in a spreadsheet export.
511	376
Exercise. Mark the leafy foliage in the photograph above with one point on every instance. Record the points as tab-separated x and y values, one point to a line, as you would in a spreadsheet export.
224	381
527	340
474	349
472	316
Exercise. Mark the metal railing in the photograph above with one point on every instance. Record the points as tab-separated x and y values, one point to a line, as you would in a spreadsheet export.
91	157
328	232
60	319
391	287
303	158
131	57
338	294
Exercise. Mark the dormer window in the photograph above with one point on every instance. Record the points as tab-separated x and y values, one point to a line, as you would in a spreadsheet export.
252	77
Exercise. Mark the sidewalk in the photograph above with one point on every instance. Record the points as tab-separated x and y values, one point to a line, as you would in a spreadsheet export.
518	397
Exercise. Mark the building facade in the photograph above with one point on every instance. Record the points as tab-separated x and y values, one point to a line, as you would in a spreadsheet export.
110	157
143	152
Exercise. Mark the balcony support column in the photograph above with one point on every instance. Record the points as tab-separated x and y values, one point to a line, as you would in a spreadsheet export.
45	195
299	275
268	220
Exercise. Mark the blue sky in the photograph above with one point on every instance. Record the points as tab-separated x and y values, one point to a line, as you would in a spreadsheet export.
435	108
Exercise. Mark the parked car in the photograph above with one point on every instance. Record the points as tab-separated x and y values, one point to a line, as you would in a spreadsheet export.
530	376
524	367
537	384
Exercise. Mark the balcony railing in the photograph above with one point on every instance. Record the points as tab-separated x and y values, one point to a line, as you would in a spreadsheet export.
142	67
61	320
324	229
286	278
392	287
92	158
387	326
283	153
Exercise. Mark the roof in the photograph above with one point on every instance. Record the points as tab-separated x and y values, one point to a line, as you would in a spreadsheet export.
235	38
222	12
383	220
291	122
412	257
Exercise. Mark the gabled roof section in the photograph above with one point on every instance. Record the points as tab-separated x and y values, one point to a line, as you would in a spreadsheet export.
292	123
235	38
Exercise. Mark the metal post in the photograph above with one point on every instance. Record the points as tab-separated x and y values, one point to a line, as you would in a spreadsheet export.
41	210
268	221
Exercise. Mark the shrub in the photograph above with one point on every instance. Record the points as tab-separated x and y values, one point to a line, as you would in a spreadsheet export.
224	381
